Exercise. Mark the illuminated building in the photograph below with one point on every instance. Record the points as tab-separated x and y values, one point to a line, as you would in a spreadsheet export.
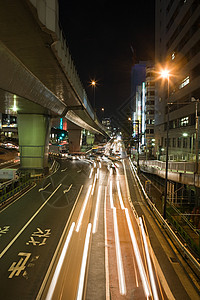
177	46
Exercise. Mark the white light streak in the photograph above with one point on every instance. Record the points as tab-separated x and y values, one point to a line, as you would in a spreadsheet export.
90	176
120	269
111	196
96	210
153	284
97	173
83	265
106	250
60	262
93	186
138	256
120	196
83	209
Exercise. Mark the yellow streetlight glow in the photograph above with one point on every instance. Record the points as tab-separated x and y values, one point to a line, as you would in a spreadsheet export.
165	73
93	82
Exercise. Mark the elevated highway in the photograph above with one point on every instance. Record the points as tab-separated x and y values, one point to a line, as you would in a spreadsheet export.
38	79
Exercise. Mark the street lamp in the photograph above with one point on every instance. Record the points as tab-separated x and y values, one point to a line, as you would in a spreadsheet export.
93	84
165	74
197	134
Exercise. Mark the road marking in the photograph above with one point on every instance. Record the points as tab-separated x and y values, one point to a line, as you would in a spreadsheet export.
96	210
67	190
29	221
63	170
83	209
39	295
16	268
84	261
42	189
60	263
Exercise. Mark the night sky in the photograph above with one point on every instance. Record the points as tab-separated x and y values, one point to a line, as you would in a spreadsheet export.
101	36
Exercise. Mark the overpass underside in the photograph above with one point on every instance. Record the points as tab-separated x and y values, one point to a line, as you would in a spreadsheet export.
34	79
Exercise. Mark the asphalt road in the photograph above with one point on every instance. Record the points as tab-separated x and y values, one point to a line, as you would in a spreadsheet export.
77	236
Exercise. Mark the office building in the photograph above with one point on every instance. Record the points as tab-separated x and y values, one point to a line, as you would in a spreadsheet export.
177	47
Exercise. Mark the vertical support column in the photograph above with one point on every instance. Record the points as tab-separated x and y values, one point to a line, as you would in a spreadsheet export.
33	131
75	137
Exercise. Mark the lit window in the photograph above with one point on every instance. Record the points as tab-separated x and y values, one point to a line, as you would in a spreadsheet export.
185	81
184	121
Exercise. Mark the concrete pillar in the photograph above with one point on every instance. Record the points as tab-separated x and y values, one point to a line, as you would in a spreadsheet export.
75	137
34	131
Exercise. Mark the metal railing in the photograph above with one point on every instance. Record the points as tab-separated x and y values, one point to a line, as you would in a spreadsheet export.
164	223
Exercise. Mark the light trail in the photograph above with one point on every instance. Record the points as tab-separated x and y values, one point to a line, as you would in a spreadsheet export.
138	256
120	196
60	263
106	250
83	209
120	269
83	265
93	186
153	284
111	196
96	210
90	176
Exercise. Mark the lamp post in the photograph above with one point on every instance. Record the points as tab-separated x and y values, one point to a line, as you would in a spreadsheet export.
197	134
165	74
93	84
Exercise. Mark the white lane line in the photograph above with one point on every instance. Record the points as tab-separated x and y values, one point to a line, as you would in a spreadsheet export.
63	170
138	256
83	208
42	189
39	295
29	221
106	251
152	280
83	264
60	263
96	210
120	196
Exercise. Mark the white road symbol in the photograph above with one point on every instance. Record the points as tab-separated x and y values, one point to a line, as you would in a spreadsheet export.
63	170
4	229
16	268
67	190
42	189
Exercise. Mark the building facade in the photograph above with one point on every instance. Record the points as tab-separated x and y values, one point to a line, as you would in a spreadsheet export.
177	48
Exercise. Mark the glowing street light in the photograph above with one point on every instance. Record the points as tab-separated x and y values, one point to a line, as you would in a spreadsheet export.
165	74
93	83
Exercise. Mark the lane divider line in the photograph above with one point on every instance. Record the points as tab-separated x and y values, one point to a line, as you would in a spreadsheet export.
39	295
60	263
29	221
83	264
